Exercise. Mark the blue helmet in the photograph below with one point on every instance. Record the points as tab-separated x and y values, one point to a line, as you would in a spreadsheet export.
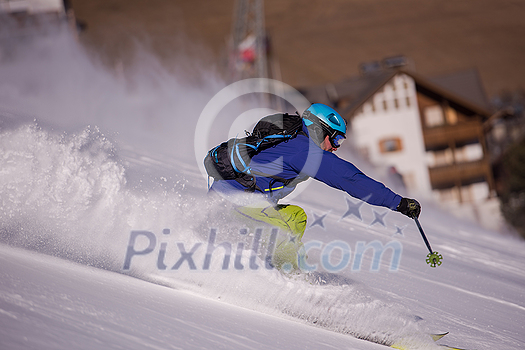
330	122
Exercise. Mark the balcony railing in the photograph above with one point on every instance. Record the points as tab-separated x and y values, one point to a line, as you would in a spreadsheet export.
459	173
442	136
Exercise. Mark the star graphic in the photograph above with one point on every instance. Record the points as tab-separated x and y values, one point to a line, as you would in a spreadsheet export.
399	230
353	209
379	218
318	220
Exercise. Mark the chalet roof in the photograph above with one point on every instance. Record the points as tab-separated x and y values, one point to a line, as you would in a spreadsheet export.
466	84
356	90
461	90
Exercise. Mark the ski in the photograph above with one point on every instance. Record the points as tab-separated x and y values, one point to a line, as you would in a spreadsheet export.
435	337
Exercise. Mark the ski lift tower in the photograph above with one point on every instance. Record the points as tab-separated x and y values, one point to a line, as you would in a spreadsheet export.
248	58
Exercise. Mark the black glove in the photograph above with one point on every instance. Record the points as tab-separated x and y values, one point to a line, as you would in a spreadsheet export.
409	207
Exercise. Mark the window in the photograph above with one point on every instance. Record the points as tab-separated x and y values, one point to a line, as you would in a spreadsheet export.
390	145
469	153
434	116
452	116
442	157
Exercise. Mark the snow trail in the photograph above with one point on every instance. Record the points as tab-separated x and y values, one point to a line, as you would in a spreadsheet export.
68	196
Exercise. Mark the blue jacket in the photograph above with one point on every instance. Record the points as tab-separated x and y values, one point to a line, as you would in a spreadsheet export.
301	157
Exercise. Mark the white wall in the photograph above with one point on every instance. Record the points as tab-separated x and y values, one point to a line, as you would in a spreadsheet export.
400	120
32	6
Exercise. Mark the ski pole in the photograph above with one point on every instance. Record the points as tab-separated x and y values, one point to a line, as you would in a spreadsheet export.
423	235
433	258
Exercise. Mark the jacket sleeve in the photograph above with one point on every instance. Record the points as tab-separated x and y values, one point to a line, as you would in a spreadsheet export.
343	175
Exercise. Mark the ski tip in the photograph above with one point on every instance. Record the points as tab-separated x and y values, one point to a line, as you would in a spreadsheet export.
437	336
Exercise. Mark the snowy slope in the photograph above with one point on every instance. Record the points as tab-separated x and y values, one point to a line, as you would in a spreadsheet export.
48	303
73	276
76	203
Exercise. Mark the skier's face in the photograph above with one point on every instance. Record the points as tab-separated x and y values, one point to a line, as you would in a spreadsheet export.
326	145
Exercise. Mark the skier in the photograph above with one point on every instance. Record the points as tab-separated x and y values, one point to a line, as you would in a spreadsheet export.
280	168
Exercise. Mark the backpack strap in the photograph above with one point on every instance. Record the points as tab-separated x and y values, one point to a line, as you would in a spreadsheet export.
231	159
275	178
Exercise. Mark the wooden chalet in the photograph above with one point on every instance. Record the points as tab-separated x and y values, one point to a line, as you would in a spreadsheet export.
450	112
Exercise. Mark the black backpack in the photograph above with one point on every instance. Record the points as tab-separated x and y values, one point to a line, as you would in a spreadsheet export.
231	159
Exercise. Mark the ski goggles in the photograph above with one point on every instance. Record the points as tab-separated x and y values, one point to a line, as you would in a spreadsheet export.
337	140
